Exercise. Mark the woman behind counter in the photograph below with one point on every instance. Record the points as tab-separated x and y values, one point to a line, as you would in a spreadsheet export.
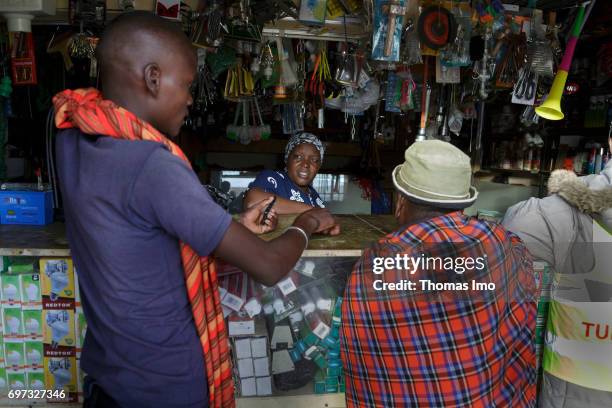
292	186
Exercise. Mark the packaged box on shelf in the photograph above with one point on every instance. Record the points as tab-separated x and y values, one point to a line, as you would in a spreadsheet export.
281	362
245	368
31	295
34	353
14	357
3	383
281	337
259	347
77	290
57	283
240	325
81	381
248	387
11	291
242	348
319	383
262	366
264	386
21	205
61	374
58	330
17	264
32	325
16	381
81	328
13	325
334	371
35	381
332	388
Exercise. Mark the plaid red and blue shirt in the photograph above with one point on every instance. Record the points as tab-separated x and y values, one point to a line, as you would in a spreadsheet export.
445	348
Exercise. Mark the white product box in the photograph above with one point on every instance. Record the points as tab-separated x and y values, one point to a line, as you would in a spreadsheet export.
243	348
31	292
11	291
262	366
259	347
248	387
264	386
245	368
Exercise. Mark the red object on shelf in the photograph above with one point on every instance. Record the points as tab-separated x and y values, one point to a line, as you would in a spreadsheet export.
23	61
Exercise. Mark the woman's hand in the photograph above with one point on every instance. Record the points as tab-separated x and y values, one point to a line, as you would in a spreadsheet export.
252	217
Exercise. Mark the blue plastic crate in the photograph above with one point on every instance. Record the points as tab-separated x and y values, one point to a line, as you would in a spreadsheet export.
26	207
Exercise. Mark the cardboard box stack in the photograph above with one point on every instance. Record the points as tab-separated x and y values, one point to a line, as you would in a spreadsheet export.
15	294
252	362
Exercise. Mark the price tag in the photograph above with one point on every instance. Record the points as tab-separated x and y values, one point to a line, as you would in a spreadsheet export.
322	330
232	301
252	307
287	286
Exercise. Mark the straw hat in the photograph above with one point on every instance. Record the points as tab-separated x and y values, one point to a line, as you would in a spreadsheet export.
436	173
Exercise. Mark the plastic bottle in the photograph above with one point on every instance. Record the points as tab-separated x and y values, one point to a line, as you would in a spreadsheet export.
591	161
598	160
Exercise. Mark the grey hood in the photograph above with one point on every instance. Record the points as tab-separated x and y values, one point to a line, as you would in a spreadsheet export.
591	195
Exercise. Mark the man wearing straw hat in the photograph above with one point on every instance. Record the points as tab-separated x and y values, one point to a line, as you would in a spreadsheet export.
415	330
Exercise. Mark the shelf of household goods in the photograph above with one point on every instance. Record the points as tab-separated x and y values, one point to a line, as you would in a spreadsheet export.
358	232
276	146
579	131
511	172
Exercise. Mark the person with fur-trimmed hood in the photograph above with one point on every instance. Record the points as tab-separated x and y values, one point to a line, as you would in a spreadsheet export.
559	230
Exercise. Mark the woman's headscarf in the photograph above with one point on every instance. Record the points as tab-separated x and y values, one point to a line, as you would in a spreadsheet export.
300	138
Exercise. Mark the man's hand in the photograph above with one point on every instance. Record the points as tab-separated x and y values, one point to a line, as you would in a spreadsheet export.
252	217
318	220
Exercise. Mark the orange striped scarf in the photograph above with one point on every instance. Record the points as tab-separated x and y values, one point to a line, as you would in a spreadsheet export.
85	109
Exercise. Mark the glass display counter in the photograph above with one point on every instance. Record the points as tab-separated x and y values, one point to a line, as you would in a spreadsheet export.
319	278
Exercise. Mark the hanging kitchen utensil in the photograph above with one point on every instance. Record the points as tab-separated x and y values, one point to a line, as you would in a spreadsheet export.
288	76
457	54
412	45
437	27
508	72
426	96
539	51
264	130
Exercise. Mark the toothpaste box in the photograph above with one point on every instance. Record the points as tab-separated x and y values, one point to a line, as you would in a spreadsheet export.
34	353
61	374
14	357
32	325
11	291
58	332
13	325
57	283
31	295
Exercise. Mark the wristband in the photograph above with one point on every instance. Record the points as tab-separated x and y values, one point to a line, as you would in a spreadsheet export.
293	227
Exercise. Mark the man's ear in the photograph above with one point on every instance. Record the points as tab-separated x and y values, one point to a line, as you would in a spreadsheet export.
152	76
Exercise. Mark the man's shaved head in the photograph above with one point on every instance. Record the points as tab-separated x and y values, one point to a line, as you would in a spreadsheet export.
145	64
